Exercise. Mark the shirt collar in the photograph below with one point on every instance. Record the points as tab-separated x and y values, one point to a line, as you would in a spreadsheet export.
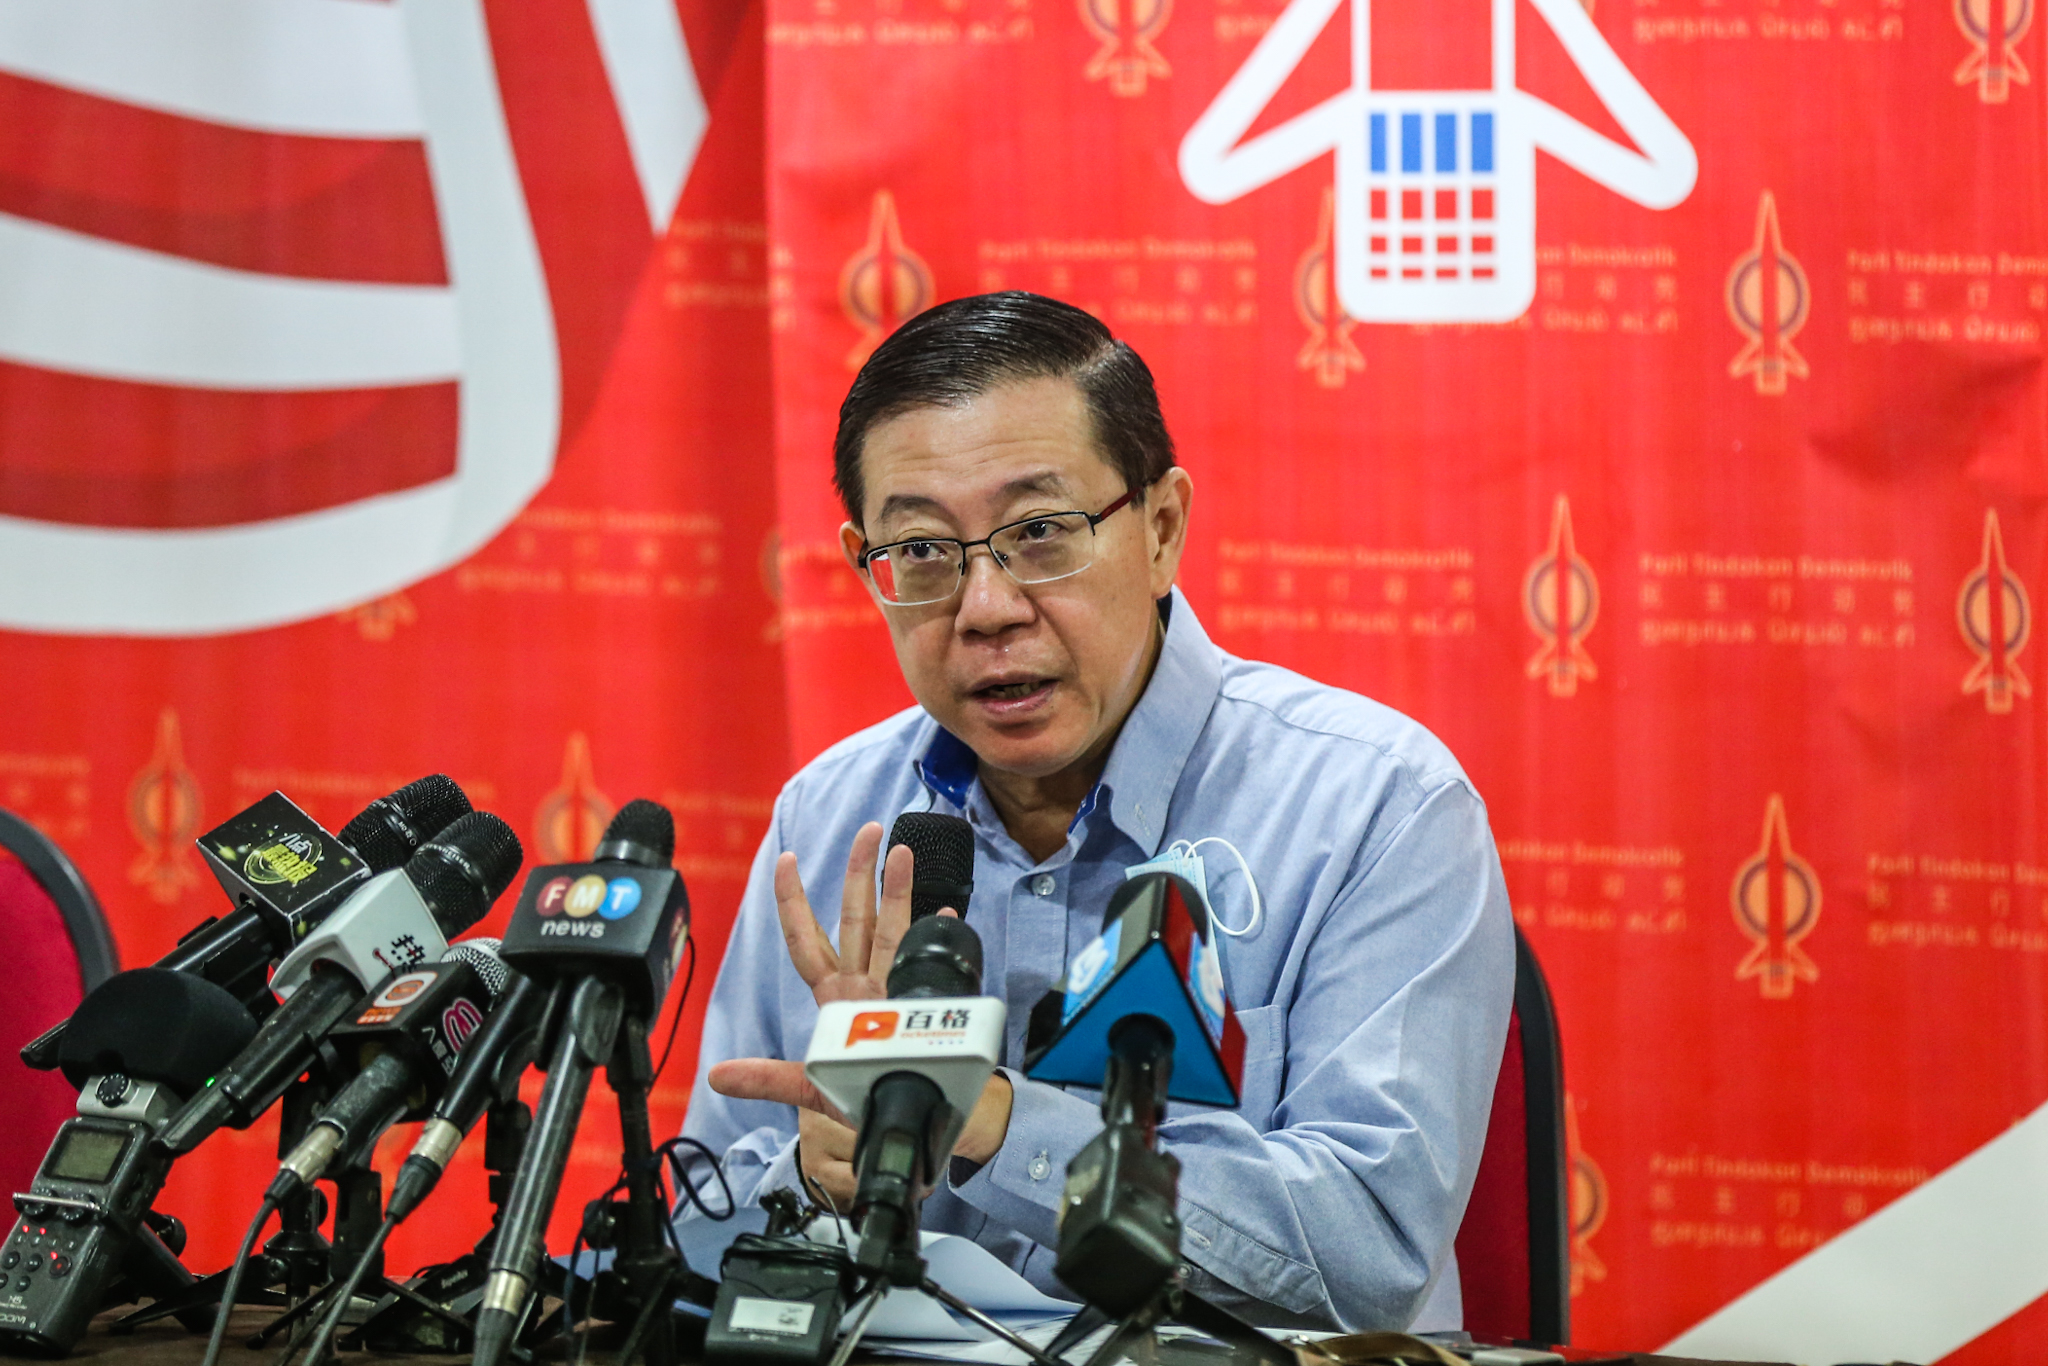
1145	764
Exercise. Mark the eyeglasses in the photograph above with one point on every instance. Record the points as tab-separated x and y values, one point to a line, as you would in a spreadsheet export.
1052	545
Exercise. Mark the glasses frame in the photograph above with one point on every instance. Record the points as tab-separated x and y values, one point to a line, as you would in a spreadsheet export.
1095	519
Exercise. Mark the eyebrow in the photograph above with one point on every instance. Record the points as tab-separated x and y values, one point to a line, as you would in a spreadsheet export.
1045	481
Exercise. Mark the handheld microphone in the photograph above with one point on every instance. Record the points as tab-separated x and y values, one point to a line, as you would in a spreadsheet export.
405	1036
394	921
604	937
139	1043
1143	1014
488	1072
943	872
912	1072
284	872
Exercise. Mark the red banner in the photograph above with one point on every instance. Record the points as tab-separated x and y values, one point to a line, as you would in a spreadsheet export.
1645	396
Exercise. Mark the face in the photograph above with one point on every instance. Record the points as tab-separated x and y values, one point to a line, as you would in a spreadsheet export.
1035	679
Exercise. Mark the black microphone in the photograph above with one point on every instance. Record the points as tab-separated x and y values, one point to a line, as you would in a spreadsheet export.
406	1037
943	872
488	1072
284	873
1142	1012
396	920
604	936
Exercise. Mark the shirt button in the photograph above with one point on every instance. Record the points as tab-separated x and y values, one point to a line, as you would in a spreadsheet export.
1040	1168
1043	884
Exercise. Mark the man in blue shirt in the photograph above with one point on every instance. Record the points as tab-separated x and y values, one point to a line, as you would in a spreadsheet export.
1015	510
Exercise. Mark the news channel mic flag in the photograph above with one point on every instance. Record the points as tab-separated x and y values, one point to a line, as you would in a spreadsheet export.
1015	509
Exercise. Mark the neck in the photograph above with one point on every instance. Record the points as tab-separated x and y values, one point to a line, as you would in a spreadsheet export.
1038	811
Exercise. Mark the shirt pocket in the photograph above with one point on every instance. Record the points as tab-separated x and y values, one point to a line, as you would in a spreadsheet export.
1265	1064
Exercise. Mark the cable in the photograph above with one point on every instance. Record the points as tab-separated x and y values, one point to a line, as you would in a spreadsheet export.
232	1285
675	1163
815	1189
330	1322
690	943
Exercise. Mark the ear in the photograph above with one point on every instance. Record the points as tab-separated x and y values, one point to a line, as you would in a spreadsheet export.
1166	526
850	543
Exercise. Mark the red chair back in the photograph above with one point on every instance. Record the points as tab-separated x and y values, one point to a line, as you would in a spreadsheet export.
1513	1248
58	947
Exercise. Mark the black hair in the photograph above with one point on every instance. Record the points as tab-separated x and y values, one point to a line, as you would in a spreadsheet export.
954	353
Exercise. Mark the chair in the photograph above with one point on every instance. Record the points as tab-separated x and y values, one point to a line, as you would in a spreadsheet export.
58	948
1514	1248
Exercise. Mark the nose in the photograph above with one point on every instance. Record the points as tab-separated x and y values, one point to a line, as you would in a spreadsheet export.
990	600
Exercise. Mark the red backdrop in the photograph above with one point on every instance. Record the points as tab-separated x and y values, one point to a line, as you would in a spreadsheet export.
1713	558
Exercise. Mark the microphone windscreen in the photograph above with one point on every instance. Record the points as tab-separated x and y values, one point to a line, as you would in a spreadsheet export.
939	956
482	954
154	1024
943	847
389	830
464	869
649	831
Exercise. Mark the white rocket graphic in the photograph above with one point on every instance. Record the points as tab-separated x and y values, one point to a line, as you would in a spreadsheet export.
1436	190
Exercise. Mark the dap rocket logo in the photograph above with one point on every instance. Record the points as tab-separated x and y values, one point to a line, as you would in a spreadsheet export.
299	314
1768	301
1329	351
1435	189
163	811
1776	899
571	819
1587	1196
884	284
1561	599
1994	28
1993	614
1127	30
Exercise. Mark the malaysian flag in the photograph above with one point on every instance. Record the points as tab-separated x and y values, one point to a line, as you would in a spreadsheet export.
299	297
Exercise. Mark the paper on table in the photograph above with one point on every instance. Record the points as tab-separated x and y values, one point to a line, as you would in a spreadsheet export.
968	1270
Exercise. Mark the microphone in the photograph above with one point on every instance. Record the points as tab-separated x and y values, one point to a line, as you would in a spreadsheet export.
604	937
912	1072
1142	1012
1155	956
284	872
943	873
395	920
488	1072
407	1035
139	1043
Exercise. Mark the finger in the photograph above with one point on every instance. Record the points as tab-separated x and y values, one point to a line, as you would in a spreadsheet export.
809	950
857	902
825	1135
771	1079
894	920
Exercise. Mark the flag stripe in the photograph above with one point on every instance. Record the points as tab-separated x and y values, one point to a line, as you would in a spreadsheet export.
96	452
78	303
335	68
321	208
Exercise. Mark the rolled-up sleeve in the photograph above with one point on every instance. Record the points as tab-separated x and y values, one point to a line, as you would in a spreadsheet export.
1331	1197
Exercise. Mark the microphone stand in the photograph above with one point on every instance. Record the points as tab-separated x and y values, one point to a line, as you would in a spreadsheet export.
296	1258
1119	1234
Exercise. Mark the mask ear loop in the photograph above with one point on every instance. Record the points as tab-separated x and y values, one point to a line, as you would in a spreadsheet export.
1258	907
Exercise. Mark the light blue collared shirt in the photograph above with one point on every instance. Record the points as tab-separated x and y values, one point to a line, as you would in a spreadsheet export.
1374	993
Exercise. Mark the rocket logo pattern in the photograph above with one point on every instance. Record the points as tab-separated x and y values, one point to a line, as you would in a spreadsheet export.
1329	353
163	811
1435	189
884	284
1586	1202
571	819
1127	30
1776	900
1561	599
1995	618
1768	300
1994	28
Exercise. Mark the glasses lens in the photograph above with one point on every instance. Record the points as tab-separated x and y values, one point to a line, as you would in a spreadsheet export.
916	571
1046	547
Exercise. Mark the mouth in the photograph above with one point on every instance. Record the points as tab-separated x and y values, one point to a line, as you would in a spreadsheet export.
1011	692
1011	696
